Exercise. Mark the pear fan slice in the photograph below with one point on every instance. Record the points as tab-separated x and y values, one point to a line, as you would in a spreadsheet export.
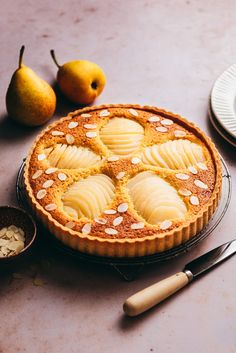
177	154
71	157
122	136
89	197
155	199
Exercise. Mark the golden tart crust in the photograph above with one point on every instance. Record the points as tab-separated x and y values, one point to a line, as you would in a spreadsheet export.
89	178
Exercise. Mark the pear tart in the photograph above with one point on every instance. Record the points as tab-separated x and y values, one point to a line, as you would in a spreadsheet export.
123	180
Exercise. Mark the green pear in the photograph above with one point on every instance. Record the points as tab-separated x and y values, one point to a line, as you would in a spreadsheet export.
29	100
81	81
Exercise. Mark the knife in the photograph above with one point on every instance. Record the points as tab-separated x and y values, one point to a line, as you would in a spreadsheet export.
156	293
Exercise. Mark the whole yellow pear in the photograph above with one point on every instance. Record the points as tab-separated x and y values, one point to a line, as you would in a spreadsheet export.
29	100
81	81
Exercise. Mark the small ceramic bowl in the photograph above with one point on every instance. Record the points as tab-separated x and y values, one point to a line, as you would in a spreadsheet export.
10	215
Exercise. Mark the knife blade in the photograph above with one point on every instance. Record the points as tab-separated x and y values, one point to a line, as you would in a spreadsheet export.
156	293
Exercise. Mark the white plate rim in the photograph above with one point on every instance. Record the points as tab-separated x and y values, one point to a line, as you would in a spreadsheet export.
223	96
222	133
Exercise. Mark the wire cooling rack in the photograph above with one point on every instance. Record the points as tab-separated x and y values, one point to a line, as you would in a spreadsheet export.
129	268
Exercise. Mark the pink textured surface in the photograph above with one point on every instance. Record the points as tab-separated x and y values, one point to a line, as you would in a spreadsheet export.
163	53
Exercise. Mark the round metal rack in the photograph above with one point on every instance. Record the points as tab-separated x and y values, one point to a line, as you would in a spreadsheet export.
128	268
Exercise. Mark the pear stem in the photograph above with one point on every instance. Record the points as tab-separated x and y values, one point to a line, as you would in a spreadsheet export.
54	58
22	49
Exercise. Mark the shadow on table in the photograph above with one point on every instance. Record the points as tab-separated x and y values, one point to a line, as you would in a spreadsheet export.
11	130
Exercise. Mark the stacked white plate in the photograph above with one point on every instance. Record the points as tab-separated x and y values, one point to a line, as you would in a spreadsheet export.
222	110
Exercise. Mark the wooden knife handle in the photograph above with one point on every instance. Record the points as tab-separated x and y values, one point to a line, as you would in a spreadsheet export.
150	296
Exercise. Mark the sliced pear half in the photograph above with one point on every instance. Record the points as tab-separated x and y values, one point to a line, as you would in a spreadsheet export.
122	136
177	154
155	199
89	197
71	157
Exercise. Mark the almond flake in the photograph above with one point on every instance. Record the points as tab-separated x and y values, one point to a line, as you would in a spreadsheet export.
111	231
18	236
70	139
194	200
165	224
100	220
133	112
110	212
104	112
135	160
86	228
85	115
139	225
4	251
167	122
90	126
51	207
13	228
50	170
3	242
192	169
37	174
70	225
16	245
3	231
73	124
9	234
123	207
91	134
200	184
48	183
182	176
38	282
185	192
62	176
57	133
179	133
120	175
202	166
161	129
113	158
153	119
117	221
41	156
41	193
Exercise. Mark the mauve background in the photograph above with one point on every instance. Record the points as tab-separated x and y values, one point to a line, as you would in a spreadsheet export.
163	53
